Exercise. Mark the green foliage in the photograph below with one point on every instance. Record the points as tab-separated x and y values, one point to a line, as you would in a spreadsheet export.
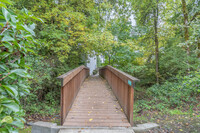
16	39
99	63
45	86
177	112
183	93
71	30
63	47
175	94
66	24
25	130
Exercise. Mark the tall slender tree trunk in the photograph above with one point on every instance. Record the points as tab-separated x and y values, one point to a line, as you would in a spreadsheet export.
186	31
198	48
109	59
155	12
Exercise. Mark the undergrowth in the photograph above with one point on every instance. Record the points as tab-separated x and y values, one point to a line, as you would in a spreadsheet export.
182	93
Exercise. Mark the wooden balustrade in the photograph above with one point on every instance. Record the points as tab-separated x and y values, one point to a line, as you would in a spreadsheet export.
122	85
70	85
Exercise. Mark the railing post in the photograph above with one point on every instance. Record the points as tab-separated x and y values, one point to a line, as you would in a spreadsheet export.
130	104
62	103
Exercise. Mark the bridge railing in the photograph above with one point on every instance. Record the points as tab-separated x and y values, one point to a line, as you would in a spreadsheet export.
122	85
70	85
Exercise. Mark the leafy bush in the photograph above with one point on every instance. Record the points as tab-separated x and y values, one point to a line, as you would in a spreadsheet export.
45	86
172	94
16	39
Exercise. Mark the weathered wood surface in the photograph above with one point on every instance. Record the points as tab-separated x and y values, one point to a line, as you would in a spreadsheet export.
122	75
96	105
70	85
122	85
65	78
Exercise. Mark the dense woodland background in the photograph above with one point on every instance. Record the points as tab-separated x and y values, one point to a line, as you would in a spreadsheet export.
156	41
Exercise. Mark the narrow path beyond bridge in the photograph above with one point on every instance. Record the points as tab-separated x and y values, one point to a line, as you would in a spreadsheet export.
96	106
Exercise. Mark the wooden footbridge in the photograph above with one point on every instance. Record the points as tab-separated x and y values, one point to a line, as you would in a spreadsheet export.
97	101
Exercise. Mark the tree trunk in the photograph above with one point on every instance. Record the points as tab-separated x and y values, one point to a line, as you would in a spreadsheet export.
198	48
155	12
109	59
186	34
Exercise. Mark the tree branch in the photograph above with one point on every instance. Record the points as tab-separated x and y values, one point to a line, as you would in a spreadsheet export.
5	76
3	29
195	15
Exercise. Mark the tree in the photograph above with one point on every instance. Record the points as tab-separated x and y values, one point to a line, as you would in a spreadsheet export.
186	21
147	14
155	14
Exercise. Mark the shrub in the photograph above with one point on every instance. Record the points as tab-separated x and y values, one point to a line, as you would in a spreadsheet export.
16	39
180	93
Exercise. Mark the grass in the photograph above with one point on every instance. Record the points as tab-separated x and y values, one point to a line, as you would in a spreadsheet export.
25	130
175	120
178	112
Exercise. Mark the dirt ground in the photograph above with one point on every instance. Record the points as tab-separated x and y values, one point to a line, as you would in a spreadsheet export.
171	123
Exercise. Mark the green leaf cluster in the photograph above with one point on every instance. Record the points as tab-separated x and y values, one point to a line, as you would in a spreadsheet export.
16	41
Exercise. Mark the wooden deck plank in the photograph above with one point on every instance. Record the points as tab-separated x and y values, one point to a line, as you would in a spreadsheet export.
99	124
96	105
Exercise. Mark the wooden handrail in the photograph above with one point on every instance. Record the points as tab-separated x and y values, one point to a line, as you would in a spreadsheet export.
122	85
70	85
